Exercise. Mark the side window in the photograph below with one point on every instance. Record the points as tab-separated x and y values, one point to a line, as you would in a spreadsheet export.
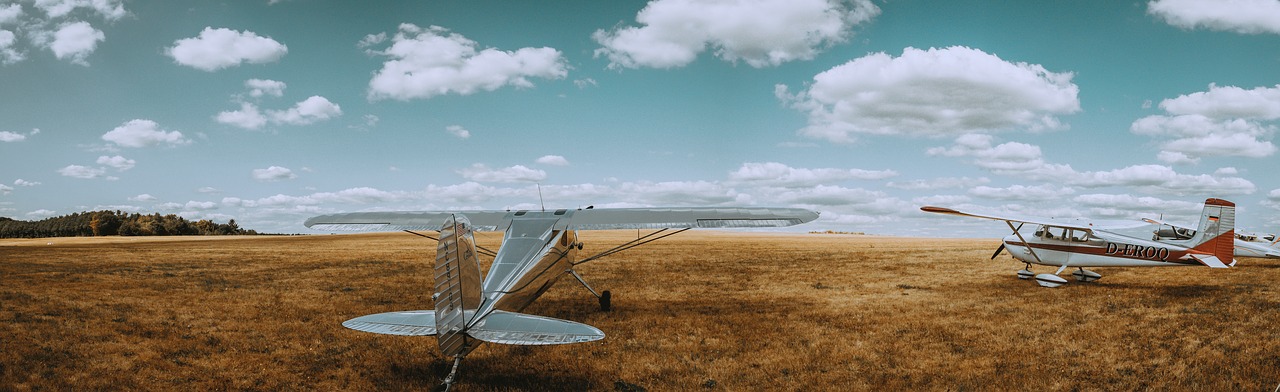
1058	233
1079	235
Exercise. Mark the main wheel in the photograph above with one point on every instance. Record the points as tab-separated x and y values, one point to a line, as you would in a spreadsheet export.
604	301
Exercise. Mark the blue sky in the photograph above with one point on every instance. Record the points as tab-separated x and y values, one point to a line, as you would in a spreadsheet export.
268	112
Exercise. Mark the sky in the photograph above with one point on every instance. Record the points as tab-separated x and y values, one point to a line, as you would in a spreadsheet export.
269	112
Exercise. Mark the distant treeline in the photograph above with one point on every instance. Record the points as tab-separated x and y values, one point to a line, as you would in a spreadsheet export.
103	223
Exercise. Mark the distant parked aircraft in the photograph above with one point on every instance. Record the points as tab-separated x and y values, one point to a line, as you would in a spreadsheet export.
538	247
1080	244
1246	244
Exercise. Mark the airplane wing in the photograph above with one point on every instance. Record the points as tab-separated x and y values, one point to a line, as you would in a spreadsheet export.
403	220
585	219
1071	223
681	218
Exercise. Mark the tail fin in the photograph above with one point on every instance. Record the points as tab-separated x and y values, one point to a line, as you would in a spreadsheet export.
1216	234
457	290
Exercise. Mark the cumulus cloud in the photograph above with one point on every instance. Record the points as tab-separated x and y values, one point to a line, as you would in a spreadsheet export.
143	197
116	162
21	182
10	137
10	13
777	174
248	117
9	53
108	9
1223	121
143	133
1025	161
222	48
1136	203
426	62
553	160
1022	192
518	173
308	111
1240	16
260	87
932	92
83	172
458	131
5	189
759	32
76	41
938	183
273	174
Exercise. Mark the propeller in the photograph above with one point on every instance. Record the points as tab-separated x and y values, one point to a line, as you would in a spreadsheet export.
998	250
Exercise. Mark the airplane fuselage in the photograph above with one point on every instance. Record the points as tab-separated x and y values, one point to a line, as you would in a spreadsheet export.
1102	250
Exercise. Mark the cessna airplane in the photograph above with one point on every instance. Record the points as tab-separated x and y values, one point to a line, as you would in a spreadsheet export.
538	247
1246	245
1081	244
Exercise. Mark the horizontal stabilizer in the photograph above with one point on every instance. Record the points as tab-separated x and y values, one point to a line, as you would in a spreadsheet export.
524	329
410	323
1210	260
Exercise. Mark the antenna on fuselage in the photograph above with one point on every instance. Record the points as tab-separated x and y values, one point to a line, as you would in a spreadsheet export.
544	205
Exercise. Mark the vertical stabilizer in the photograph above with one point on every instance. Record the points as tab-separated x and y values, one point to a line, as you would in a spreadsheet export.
1216	233
457	289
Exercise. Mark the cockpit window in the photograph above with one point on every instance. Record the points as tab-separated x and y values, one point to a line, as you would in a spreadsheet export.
1056	233
1079	235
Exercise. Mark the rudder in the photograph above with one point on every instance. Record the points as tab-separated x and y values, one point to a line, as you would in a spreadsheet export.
1216	232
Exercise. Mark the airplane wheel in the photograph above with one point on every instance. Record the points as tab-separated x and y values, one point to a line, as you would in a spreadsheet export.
604	301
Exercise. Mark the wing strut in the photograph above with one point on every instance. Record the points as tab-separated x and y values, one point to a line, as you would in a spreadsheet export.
1024	242
631	244
481	250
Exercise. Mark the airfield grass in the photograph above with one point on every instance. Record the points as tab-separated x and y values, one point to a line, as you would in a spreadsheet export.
703	310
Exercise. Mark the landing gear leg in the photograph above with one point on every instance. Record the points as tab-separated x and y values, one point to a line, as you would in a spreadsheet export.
603	297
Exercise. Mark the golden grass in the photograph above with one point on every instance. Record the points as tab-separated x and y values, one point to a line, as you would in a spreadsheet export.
700	310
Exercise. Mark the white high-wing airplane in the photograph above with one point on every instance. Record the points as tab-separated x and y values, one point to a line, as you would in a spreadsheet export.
1081	244
538	247
1246	245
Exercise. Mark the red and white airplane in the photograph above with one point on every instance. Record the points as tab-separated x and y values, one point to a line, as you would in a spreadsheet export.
1078	244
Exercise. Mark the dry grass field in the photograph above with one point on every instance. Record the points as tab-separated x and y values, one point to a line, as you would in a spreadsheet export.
702	310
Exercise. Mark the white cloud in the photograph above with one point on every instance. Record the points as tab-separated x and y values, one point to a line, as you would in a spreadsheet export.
1136	203
777	174
22	182
108	9
676	193
208	189
117	162
310	110
5	189
823	195
938	183
1223	121
759	32
1240	16
553	160
76	41
273	173
222	48
83	172
458	130
428	62
248	117
42	213
1022	192
8	53
1025	161
143	197
518	173
143	133
931	93
260	87
10	13
10	137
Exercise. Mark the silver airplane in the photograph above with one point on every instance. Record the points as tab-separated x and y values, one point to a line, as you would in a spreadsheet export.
538	247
